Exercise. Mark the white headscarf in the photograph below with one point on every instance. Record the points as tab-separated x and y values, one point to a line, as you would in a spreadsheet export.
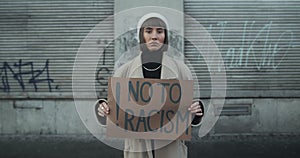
147	16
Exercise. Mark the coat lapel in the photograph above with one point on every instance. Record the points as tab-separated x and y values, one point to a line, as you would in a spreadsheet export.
168	68
136	68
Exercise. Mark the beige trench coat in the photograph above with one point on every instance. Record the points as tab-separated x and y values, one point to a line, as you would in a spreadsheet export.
171	69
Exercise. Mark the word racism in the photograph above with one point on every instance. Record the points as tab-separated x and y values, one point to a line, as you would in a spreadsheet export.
149	108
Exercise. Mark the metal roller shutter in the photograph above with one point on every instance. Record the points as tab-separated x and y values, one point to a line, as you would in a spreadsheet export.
38	43
259	43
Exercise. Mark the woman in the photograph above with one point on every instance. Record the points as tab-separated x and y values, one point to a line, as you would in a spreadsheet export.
154	63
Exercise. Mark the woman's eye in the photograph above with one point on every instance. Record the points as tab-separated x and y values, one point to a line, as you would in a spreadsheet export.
160	31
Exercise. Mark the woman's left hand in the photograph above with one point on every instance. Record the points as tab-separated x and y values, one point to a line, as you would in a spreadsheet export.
196	109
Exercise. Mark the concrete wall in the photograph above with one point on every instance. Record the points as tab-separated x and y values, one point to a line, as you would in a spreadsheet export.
60	117
40	117
266	116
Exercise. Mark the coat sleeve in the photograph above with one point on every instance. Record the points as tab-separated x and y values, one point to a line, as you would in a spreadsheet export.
186	74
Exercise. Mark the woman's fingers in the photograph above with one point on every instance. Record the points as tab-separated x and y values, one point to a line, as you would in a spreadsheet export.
197	112
103	109
193	106
100	113
196	109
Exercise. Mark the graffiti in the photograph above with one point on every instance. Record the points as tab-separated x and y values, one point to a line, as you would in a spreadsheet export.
21	70
103	70
259	49
176	41
251	45
102	76
101	43
128	40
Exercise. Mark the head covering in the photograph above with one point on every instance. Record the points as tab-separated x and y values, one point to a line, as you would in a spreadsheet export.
156	20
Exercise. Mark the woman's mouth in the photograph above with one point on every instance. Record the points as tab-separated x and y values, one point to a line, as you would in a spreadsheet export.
155	44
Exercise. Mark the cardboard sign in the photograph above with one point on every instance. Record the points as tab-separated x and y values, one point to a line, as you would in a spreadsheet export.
149	108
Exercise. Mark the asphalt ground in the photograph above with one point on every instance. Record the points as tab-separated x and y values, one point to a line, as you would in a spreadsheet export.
87	146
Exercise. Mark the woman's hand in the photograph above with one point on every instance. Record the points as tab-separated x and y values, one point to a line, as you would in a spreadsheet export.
196	109
103	109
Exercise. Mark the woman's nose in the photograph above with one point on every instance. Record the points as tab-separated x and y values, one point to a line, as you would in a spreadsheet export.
154	36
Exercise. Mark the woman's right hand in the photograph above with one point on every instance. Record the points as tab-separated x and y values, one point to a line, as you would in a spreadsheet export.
103	109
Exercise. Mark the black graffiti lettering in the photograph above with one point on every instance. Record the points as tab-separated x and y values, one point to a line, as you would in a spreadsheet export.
4	76
18	73
37	73
101	78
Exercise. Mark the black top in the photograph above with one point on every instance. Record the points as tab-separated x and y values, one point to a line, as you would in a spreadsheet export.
152	70
151	63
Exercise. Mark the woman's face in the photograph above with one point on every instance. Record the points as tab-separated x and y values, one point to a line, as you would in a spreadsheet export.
154	37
